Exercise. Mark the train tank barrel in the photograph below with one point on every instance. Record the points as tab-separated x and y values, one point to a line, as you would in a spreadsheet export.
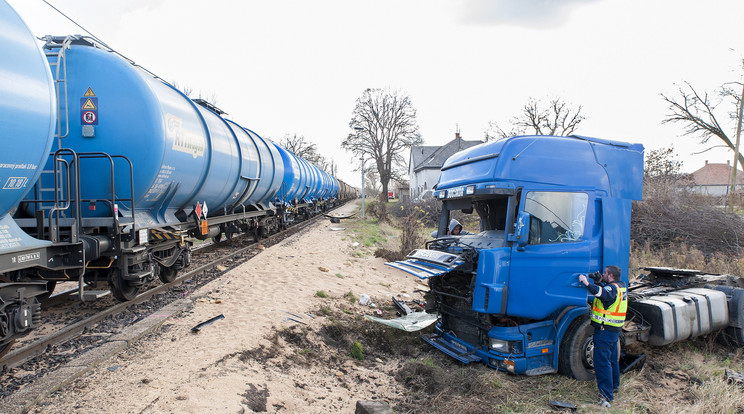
122	110
28	108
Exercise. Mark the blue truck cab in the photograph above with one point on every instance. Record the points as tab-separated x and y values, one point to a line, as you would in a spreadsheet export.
549	208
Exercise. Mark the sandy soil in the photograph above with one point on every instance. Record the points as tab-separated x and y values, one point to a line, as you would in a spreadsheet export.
214	371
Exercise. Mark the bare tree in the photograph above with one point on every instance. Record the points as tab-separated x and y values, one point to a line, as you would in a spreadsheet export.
662	176
556	118
299	146
698	113
385	123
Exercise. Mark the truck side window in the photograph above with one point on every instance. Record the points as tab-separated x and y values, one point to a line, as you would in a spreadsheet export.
556	217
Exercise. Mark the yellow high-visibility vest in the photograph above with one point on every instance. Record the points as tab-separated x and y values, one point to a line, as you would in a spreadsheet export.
615	314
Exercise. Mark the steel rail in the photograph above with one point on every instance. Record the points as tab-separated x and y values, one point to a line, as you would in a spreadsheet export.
21	355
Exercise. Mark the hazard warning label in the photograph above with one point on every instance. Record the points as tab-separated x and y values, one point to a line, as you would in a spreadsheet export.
90	104
89	92
89	108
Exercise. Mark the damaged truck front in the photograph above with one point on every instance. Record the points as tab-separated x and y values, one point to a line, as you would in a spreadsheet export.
549	209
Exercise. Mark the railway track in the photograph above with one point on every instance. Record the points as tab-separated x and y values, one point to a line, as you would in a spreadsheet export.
51	350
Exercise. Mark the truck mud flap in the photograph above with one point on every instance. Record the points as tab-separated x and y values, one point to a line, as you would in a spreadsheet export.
439	343
425	264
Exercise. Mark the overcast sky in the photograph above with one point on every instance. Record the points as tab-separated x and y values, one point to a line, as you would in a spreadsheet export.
297	66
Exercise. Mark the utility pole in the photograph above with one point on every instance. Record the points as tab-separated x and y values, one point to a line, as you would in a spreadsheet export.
732	189
359	133
362	185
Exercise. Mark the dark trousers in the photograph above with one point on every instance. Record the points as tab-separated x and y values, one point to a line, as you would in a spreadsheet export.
606	366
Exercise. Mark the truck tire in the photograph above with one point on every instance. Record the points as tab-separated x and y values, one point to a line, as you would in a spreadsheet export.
576	354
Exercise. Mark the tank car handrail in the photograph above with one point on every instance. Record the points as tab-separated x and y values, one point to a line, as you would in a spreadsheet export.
113	199
97	43
54	212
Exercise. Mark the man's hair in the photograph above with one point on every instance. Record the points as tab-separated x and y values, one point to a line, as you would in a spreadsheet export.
614	271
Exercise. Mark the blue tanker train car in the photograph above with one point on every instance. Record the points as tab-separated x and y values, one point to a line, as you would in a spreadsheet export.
108	172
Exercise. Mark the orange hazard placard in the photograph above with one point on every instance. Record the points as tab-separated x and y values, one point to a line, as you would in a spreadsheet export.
204	227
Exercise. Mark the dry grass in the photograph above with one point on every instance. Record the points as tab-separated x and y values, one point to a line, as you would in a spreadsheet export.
684	256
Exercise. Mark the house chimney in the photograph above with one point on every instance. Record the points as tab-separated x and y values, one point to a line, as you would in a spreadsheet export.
706	162
457	135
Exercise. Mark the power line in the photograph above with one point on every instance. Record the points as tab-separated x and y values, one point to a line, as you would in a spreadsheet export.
76	23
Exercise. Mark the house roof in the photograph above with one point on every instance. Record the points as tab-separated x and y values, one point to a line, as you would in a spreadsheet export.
716	174
437	157
420	153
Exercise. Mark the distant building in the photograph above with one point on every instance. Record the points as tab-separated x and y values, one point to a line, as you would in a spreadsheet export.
714	179
401	189
426	162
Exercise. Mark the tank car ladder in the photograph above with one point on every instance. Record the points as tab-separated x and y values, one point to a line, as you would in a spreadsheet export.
58	65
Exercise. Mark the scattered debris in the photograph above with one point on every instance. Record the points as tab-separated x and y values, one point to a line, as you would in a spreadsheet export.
364	299
409	323
355	244
311	316
114	368
221	268
734	377
261	247
293	314
197	328
294	320
323	269
204	300
373	407
560	406
337	228
630	362
404	309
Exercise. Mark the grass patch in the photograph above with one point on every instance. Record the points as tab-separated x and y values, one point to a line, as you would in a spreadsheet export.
339	275
321	294
350	295
357	351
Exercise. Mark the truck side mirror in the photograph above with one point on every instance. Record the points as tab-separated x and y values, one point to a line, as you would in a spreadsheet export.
522	230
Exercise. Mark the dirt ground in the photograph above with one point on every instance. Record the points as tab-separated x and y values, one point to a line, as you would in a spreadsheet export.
230	366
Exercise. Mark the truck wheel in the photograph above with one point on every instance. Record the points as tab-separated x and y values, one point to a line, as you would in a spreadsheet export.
576	355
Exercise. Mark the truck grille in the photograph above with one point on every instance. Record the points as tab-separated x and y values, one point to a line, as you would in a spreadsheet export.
458	318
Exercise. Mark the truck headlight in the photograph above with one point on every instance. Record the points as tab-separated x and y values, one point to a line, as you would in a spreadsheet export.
507	347
470	190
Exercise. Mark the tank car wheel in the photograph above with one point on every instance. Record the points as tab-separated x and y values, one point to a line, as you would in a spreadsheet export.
4	349
167	274
120	288
218	238
576	355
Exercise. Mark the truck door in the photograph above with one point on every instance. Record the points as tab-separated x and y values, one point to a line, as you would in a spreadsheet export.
564	241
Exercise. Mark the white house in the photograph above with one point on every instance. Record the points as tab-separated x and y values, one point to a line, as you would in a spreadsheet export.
426	162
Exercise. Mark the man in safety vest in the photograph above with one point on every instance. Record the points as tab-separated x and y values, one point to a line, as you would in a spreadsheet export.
608	315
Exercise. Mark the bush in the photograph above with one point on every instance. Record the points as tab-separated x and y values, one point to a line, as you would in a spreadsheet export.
692	219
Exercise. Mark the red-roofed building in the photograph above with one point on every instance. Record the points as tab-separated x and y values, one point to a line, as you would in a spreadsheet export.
714	179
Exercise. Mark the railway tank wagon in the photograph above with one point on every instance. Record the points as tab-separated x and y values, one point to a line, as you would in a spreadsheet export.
148	167
108	172
26	132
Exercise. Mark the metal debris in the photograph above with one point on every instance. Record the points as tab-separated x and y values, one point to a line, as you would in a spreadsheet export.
197	328
409	323
560	406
